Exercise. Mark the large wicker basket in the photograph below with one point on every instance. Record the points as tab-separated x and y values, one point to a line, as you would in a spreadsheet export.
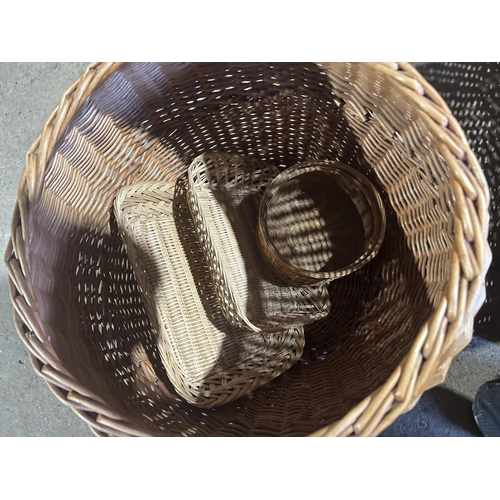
395	324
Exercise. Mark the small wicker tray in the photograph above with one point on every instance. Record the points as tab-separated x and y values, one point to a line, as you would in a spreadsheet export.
208	360
319	221
224	192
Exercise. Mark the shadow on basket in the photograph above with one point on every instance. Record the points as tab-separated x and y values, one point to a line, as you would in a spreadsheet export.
128	372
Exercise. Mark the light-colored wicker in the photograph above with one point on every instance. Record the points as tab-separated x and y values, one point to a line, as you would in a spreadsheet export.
208	361
224	193
319	221
395	324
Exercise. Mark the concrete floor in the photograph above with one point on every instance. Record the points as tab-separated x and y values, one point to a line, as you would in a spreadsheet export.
28	93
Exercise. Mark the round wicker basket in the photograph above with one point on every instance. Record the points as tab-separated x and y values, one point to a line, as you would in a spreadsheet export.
395	324
319	221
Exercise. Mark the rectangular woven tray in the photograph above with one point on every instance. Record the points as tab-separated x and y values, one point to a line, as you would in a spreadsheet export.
224	192
208	360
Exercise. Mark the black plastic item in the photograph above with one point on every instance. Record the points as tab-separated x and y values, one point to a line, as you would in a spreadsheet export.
486	408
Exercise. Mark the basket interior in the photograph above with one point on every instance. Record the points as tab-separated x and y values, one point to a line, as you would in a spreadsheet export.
147	122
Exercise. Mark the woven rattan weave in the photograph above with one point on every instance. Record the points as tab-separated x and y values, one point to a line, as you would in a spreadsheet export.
395	324
224	196
319	221
208	361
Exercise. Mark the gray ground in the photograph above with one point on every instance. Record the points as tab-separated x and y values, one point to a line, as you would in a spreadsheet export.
28	93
